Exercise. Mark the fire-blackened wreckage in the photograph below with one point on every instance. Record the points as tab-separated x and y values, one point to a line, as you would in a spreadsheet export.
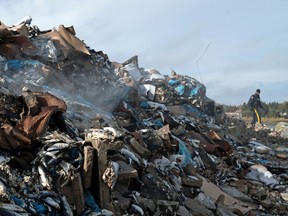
81	135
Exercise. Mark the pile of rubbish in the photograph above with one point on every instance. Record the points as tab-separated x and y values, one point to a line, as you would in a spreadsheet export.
82	135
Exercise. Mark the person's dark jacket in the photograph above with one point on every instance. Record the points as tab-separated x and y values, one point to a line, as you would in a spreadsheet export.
254	101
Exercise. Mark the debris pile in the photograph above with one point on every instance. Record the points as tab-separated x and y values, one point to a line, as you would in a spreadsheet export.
81	135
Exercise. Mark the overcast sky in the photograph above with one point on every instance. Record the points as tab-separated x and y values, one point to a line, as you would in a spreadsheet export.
233	47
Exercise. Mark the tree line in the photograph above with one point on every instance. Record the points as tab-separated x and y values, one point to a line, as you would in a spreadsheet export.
273	109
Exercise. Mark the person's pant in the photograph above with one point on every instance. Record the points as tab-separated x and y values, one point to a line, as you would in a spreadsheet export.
256	117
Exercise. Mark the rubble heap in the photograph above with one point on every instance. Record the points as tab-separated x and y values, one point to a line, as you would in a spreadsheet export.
82	135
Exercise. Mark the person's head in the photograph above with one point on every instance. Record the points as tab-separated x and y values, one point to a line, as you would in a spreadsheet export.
258	91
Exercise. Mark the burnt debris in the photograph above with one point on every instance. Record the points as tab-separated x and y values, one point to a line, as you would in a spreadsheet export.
82	135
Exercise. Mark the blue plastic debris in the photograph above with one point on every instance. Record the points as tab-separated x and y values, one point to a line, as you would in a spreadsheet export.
159	123
180	89
184	151
194	91
144	105
19	64
39	208
18	201
173	82
90	202
193	110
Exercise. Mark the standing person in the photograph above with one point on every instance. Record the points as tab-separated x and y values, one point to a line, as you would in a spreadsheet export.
254	104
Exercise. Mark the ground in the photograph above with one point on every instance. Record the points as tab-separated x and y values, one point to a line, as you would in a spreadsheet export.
266	120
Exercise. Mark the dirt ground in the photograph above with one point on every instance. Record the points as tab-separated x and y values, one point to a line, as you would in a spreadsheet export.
266	120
